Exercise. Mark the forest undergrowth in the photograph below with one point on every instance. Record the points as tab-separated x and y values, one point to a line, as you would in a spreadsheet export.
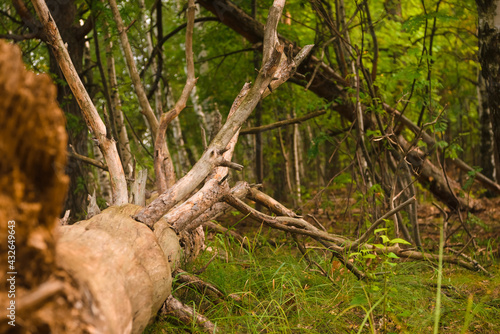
283	291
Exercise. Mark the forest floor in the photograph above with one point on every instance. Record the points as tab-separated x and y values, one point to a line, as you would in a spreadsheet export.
283	292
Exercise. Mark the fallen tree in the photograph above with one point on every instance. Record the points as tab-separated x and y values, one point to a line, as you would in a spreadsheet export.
112	272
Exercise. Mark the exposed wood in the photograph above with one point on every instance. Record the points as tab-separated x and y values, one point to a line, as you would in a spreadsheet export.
186	314
125	268
88	160
164	167
116	108
327	83
138	189
92	208
485	181
109	274
203	287
434	178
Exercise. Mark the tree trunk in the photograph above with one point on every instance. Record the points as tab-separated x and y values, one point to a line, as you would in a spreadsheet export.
116	109
489	57
109	274
331	86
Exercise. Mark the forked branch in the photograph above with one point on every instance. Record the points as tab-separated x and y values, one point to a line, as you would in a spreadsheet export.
210	157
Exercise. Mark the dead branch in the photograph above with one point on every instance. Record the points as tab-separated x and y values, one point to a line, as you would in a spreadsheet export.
164	168
186	315
379	221
207	162
213	189
203	287
240	190
281	123
90	114
221	229
88	160
339	246
132	68
485	181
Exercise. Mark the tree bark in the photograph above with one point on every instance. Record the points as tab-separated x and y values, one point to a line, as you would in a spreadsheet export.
109	274
326	83
489	57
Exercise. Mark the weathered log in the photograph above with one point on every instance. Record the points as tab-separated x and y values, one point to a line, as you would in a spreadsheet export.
124	267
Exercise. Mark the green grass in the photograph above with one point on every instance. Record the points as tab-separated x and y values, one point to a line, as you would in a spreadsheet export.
282	293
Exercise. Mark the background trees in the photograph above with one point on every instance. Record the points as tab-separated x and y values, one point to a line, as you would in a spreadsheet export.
376	115
419	58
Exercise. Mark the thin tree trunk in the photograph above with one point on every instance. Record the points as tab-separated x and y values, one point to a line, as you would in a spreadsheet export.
182	155
116	108
132	68
273	72
296	161
154	64
487	160
259	152
103	176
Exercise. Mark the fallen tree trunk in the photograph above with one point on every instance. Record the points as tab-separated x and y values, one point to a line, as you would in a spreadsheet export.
124	267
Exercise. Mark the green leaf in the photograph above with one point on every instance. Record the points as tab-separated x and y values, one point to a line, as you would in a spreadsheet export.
441	126
442	144
413	24
391	255
379	246
385	239
399	241
369	256
380	230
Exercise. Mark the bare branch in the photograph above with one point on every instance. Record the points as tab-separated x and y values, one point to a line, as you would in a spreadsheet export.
372	228
88	160
90	114
164	169
132	68
282	123
186	314
207	162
